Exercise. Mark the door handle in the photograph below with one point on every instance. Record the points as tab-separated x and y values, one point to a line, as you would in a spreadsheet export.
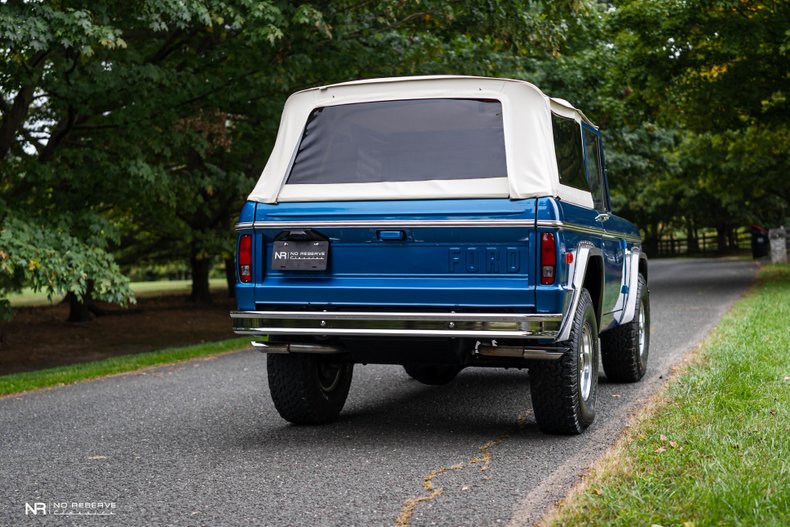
602	217
392	235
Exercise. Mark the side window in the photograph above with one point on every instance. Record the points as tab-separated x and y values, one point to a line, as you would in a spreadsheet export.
594	173
569	152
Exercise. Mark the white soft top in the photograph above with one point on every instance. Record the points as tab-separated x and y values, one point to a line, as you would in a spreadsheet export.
526	119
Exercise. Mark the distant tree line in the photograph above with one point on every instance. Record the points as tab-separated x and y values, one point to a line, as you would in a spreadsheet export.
131	132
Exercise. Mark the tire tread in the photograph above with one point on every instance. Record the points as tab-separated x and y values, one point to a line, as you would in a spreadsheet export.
554	387
620	346
296	395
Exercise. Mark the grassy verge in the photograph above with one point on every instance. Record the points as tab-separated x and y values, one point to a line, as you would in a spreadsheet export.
715	449
30	298
22	382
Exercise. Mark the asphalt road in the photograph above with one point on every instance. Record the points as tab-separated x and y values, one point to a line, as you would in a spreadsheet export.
201	444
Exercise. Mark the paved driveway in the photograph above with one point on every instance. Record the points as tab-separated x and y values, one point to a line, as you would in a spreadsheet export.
201	444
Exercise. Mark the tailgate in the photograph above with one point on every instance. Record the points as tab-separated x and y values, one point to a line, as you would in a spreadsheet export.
443	254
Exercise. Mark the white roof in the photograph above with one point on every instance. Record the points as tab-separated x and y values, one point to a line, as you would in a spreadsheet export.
526	118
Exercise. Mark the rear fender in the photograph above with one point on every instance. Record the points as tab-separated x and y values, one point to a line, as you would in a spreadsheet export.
581	258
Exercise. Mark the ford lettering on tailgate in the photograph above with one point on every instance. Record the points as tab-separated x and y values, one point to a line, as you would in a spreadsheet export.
484	260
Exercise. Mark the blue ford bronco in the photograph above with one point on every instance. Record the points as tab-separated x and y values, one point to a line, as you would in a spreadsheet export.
439	223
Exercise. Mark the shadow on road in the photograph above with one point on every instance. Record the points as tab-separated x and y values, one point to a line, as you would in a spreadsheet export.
479	404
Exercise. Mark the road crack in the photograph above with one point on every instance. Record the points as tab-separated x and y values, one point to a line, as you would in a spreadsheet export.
410	505
483	460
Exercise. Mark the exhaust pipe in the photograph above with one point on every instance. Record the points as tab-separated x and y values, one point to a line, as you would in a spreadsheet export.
518	352
289	347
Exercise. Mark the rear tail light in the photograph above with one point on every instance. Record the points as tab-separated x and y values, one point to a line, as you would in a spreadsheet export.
245	258
548	258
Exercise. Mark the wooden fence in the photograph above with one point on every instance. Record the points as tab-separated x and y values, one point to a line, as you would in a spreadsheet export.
707	244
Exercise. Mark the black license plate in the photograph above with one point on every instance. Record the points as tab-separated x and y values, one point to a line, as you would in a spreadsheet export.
300	255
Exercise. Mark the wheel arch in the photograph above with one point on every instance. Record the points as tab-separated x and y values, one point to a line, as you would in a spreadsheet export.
587	273
593	283
643	265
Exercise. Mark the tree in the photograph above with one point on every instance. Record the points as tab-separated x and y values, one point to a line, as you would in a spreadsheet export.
715	71
90	97
223	140
137	129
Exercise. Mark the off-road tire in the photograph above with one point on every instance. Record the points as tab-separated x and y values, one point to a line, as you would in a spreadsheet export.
308	389
432	374
620	350
556	386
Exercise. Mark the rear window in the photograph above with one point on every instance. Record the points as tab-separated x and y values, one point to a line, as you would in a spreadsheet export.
411	140
569	151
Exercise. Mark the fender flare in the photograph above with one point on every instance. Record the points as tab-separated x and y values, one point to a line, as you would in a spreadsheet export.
633	284
577	274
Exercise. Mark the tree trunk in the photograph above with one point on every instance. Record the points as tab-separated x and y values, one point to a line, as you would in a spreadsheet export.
83	310
230	276
650	244
721	239
200	269
79	311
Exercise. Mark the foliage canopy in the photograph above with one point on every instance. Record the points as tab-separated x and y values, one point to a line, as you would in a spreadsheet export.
131	132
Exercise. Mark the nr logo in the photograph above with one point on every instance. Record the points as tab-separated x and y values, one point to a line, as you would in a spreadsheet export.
35	508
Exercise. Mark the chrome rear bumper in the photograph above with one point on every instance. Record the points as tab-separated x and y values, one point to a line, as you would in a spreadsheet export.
397	324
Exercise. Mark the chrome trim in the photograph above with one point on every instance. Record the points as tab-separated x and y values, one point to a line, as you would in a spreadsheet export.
584	360
477	325
351	332
399	316
602	217
374	224
642	335
552	224
557	224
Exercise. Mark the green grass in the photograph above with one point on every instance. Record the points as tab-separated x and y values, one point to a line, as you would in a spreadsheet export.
715	448
22	382
28	297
